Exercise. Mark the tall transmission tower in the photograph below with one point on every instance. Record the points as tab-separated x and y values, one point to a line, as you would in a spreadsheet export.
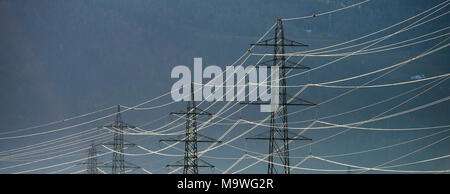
118	164
279	135
191	161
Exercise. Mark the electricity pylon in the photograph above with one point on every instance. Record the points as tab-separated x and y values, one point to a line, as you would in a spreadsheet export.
118	164
91	163
191	161
92	160
279	137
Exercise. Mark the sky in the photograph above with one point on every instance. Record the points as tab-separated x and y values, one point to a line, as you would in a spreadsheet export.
60	59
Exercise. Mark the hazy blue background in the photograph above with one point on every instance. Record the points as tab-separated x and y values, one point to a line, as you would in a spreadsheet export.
62	58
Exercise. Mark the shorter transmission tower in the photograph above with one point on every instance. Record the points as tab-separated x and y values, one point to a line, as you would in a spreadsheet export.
118	164
191	161
92	163
92	160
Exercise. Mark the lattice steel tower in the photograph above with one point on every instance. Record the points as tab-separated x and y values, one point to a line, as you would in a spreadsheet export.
92	160
118	164
191	161
279	131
